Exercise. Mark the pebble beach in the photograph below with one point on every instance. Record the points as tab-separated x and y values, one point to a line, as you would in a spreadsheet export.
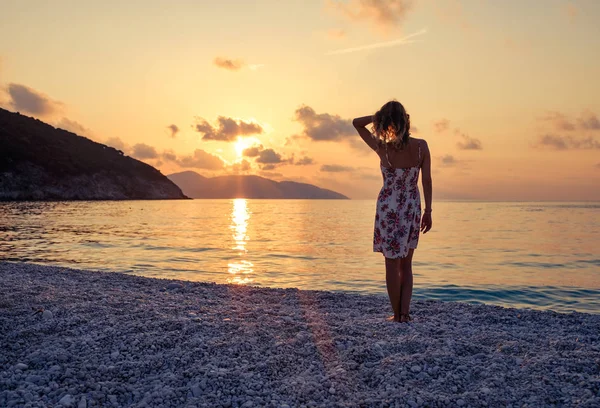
75	338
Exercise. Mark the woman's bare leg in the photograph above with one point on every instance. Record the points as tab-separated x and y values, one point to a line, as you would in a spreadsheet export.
406	282
392	281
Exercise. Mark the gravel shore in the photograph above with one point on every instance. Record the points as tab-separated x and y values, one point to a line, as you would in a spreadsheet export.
112	340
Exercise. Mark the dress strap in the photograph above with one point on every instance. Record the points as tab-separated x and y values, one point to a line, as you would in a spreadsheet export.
419	151
387	157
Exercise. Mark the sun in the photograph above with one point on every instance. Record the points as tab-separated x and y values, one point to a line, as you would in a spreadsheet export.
243	143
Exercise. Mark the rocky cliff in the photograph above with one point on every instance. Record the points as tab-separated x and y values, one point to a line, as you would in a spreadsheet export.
40	162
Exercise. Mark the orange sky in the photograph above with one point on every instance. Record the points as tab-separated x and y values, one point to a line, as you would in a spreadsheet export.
506	93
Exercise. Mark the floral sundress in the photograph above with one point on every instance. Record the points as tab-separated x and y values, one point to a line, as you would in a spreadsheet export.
398	215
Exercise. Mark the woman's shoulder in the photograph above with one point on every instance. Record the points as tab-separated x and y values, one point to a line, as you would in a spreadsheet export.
422	142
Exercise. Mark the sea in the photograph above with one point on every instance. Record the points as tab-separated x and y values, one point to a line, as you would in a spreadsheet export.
536	255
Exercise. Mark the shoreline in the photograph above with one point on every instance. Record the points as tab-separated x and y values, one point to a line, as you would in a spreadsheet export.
124	340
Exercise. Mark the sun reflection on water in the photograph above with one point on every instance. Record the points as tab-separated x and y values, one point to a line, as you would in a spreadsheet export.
241	268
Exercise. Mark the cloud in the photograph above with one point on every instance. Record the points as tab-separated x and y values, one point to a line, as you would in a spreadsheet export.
25	99
268	167
323	126
382	15
143	151
336	168
169	155
387	44
468	143
305	161
567	142
253	151
448	161
173	129
269	156
73	127
441	125
241	166
116	143
598	165
589	121
201	160
227	129
229	64
558	120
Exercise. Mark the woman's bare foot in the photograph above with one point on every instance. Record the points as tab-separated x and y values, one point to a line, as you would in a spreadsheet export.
405	318
393	319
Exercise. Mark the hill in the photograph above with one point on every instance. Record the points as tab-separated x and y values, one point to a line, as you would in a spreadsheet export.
241	186
40	162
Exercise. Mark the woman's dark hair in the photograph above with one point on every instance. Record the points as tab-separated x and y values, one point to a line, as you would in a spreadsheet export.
391	125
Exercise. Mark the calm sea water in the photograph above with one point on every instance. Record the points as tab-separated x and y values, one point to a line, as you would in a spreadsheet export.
536	255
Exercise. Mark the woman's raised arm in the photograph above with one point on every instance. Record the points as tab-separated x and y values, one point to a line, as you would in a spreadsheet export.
360	126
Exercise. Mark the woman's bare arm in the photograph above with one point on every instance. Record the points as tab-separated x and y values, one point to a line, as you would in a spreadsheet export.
360	126
426	222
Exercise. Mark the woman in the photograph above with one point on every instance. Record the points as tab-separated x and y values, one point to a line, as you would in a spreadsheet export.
398	218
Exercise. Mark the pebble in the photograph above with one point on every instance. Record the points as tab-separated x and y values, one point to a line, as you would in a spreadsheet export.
138	348
196	391
66	401
47	315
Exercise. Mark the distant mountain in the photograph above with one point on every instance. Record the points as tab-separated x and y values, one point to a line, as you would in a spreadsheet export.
39	162
196	186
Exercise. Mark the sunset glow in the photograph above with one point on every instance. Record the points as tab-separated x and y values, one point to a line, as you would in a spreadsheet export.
505	94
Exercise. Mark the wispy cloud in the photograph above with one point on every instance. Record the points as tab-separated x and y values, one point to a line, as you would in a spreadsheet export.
394	43
305	161
468	143
232	64
201	159
589	121
558	120
323	126
228	63
227	129
382	15
557	142
336	168
143	151
25	99
73	126
441	125
448	161
173	129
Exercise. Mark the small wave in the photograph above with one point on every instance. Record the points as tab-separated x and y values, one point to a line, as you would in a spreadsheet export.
559	299
595	262
286	256
546	265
